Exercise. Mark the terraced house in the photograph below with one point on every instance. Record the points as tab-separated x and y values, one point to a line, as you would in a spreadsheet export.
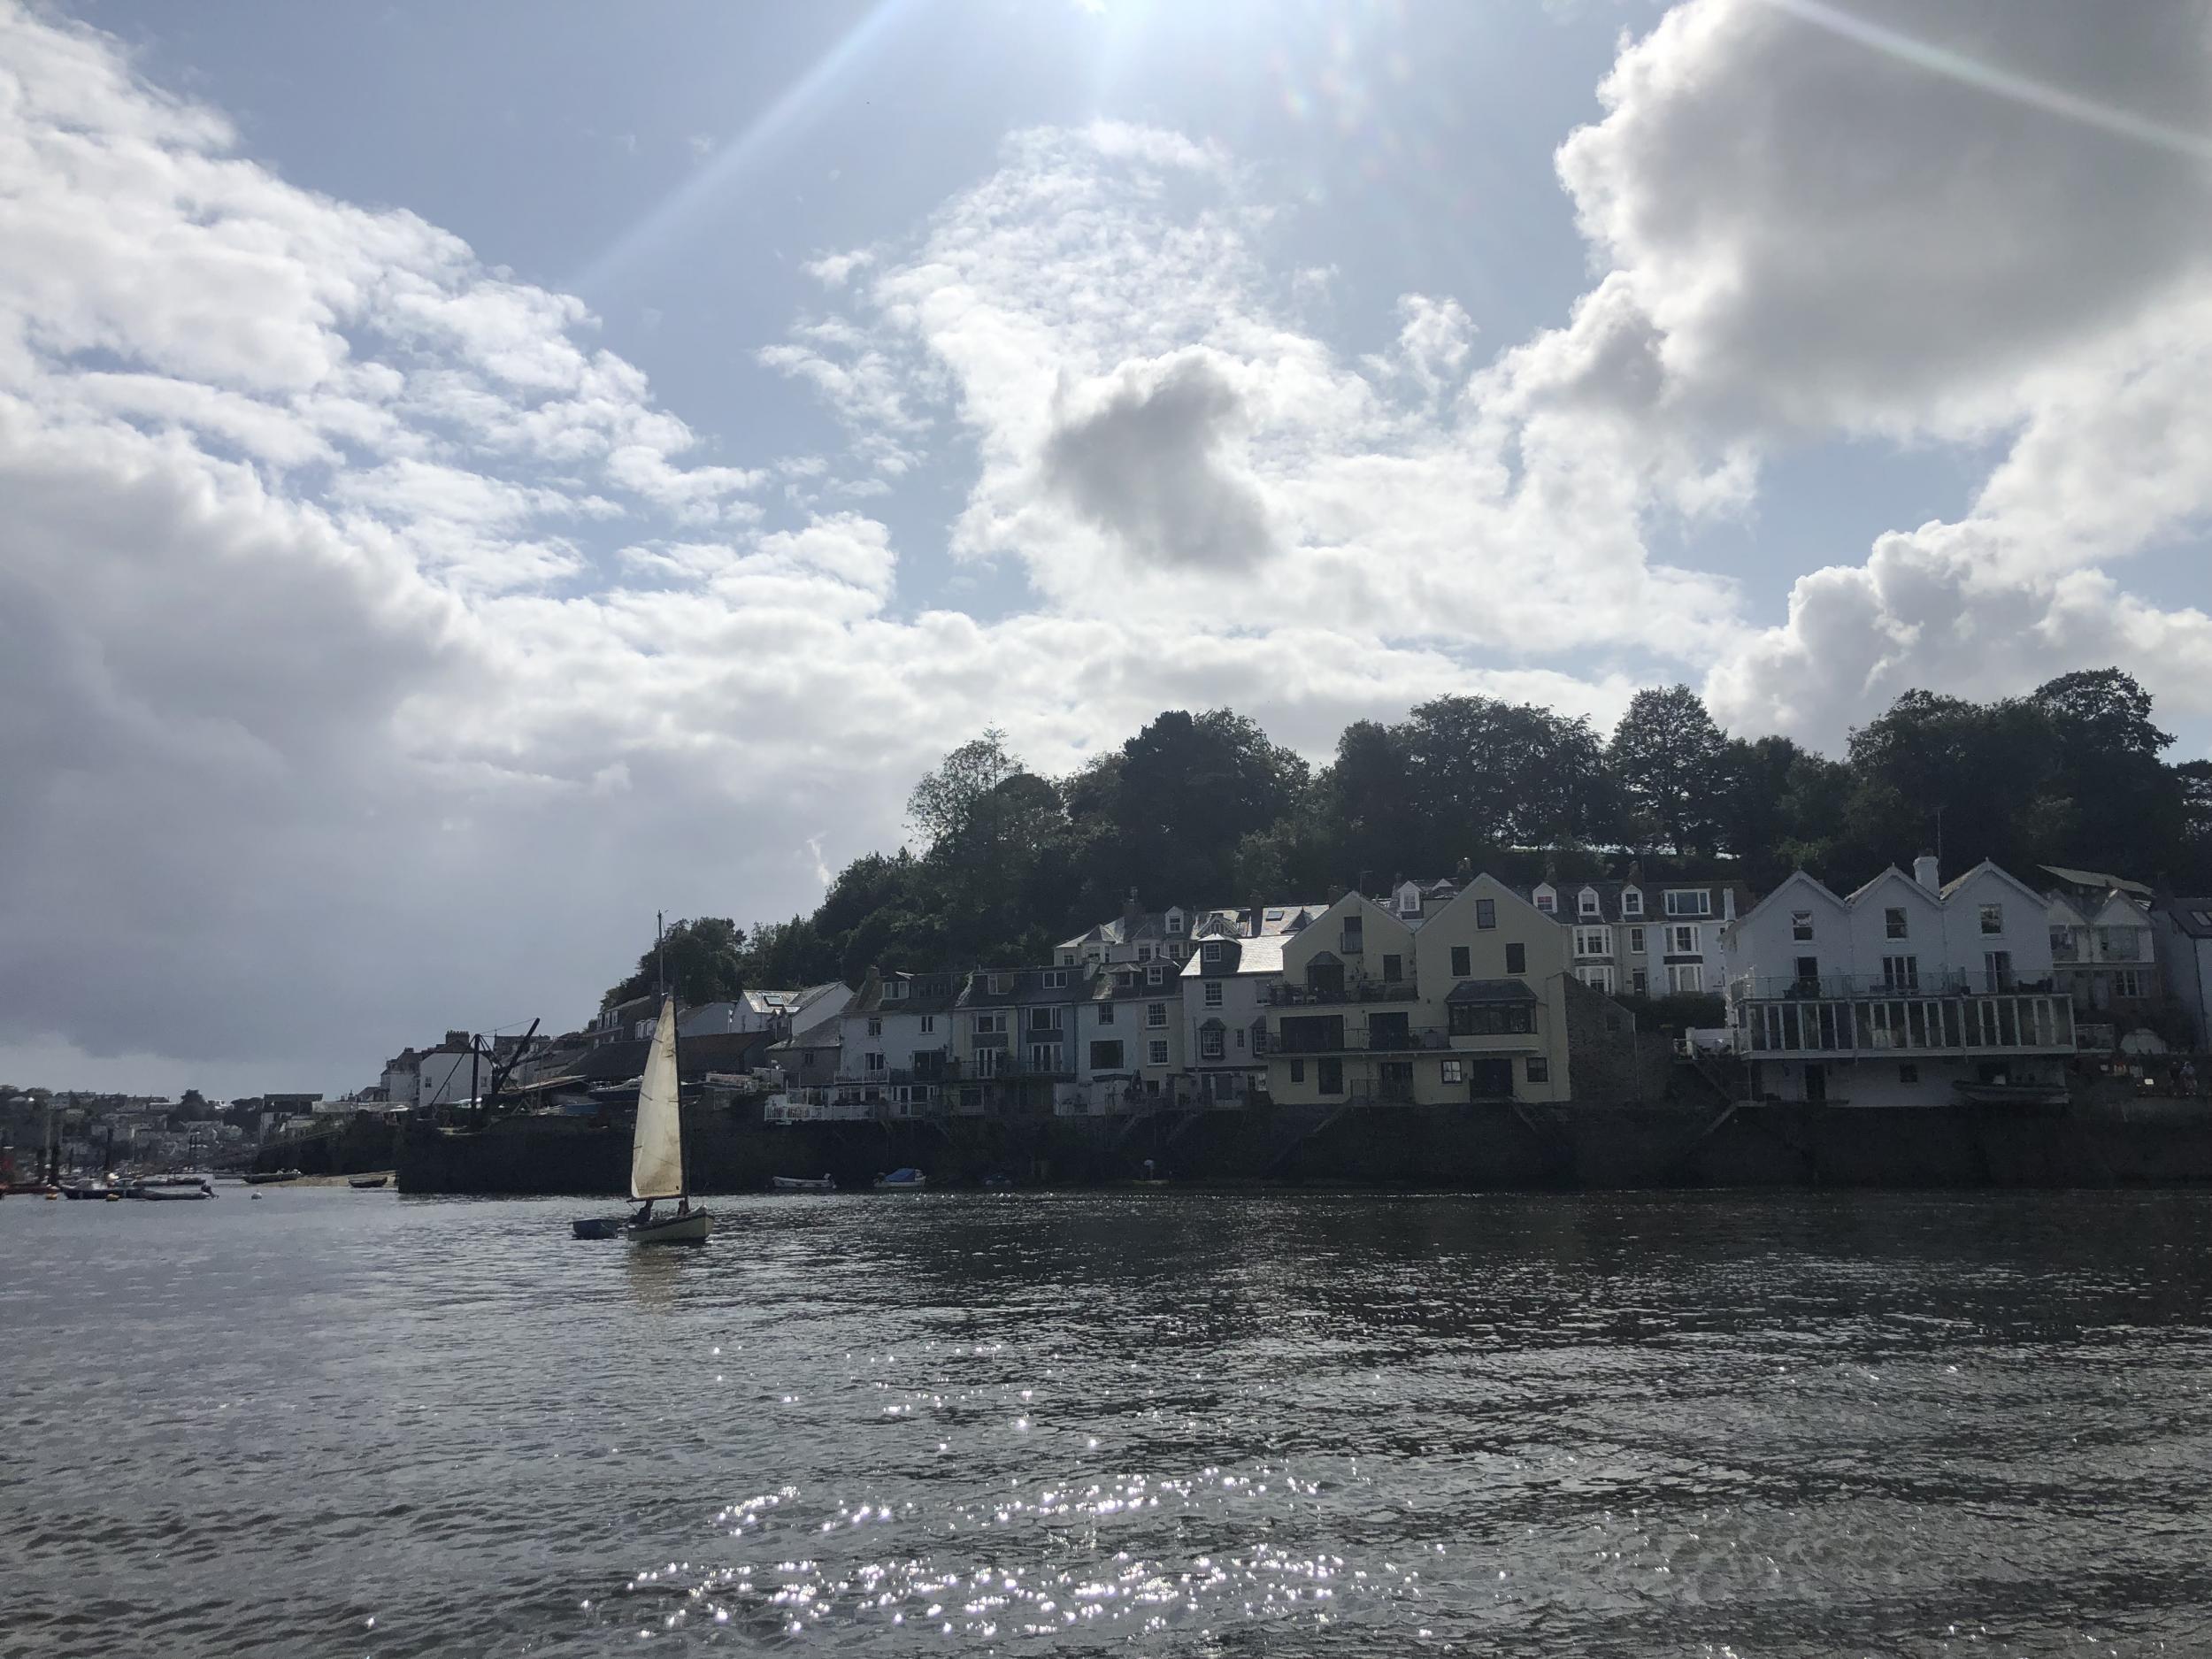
1904	992
1017	1032
1637	938
1471	1006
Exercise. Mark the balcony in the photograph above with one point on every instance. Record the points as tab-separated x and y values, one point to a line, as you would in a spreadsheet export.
1927	983
1355	991
1906	1025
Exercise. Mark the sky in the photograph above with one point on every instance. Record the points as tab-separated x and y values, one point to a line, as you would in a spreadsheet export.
472	477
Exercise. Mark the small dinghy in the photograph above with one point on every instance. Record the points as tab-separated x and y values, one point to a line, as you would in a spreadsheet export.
656	1146
367	1183
907	1181
599	1226
802	1184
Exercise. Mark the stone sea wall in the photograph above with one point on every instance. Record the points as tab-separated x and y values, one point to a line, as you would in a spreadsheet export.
1475	1148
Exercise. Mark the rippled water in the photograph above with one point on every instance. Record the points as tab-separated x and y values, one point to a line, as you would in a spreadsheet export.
330	1422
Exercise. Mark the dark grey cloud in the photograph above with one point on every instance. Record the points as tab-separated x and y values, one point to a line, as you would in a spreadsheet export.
1147	464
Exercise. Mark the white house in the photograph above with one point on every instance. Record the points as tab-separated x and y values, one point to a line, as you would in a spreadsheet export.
894	1041
2104	951
757	1011
1904	992
1639	938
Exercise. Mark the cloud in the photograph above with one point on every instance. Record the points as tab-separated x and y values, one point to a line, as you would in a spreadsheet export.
1144	457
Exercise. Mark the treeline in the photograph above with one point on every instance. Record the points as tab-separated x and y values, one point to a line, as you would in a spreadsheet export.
1205	808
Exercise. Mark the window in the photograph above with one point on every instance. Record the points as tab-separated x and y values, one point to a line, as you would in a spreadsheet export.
1214	952
1259	1037
989	1062
1596	979
1105	1056
1213	994
1175	921
1329	1077
1177	951
990	1025
1210	1043
1239	1039
1800	924
1454	1070
1998	965
1055	980
1586	902
1155	975
894	989
875	1027
1685	978
1156	1015
1992	918
929	1023
1393	970
1908	1073
1593	941
1546	904
1539	1069
1689	902
1682	941
1486	912
1490	1019
1044	1056
1631	902
1809	972
1105	1013
1461	962
1144	953
2127	982
1517	957
1297	1070
1044	1019
1157	1048
872	1061
1353	927
1635	942
1067	960
1901	974
1893	924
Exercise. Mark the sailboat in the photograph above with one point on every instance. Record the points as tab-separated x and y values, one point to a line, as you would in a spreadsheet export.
656	1146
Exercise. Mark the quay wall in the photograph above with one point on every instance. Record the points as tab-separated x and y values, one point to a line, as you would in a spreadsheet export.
1475	1147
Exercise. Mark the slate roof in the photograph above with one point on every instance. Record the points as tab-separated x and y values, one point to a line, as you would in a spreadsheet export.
1027	986
925	994
1655	894
1108	987
2191	917
1243	957
2096	878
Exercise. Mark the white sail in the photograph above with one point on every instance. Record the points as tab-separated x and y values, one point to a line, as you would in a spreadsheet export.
657	1150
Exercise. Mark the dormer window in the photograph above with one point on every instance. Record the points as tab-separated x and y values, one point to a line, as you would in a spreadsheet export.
1144	953
1175	921
1055	980
1214	953
1154	974
894	990
1000	983
1067	959
1547	902
1587	902
1632	901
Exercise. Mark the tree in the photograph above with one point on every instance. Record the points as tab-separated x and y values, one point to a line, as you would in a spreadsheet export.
1665	756
951	802
2113	804
703	961
1488	773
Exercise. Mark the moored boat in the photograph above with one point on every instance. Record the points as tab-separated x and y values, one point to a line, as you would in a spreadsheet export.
906	1180
802	1184
367	1183
656	1146
171	1190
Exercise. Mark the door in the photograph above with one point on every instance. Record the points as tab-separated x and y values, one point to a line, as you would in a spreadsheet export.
1490	1079
1817	1085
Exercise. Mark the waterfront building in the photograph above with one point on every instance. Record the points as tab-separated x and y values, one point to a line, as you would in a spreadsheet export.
1226	993
1472	1005
777	1012
2182	938
2102	952
1904	992
1017	1029
1639	938
896	1045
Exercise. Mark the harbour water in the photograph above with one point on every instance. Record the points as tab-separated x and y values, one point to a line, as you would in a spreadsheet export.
1636	1424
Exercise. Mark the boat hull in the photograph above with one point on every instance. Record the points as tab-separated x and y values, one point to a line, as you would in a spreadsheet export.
598	1226
368	1186
802	1184
689	1228
173	1194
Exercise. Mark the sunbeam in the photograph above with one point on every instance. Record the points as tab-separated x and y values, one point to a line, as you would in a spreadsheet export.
729	163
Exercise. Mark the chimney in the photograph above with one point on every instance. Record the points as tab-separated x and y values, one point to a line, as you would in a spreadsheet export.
1129	914
1335	893
1926	872
1252	928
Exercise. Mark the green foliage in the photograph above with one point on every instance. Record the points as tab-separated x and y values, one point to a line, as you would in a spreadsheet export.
1206	809
703	961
